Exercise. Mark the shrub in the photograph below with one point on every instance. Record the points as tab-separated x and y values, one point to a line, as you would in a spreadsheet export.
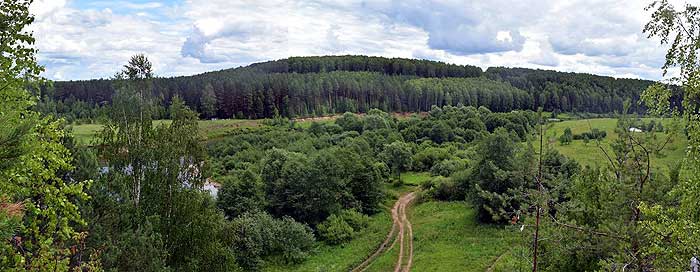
444	189
341	227
258	235
448	191
591	135
294	240
355	219
464	182
334	230
427	185
240	194
445	168
427	158
566	137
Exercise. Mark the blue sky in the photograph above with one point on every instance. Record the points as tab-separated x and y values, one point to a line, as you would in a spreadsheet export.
83	39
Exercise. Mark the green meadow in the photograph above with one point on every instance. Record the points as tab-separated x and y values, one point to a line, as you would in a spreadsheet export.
591	153
210	128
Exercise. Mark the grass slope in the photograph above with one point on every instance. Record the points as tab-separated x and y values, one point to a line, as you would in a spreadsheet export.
590	154
448	238
210	128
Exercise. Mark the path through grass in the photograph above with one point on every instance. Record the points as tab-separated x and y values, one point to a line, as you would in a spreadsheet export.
448	238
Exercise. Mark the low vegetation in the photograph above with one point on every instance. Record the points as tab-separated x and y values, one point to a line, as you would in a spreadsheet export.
589	152
448	238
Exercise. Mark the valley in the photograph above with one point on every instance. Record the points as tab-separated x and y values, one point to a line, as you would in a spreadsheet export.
362	136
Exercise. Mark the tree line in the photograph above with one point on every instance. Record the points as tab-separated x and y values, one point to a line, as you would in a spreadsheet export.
577	92
313	86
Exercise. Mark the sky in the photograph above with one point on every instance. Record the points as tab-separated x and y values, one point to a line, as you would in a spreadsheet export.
83	39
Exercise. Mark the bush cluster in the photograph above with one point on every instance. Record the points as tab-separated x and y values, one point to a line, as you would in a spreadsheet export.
342	227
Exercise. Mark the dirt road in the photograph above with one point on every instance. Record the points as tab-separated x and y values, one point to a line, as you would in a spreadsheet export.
401	232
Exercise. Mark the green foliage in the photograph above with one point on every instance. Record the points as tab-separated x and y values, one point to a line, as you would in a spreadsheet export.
397	156
671	227
208	102
257	236
334	230
340	228
308	191
597	219
594	134
446	168
138	250
425	159
493	182
558	92
443	189
337	84
350	122
315	173
152	187
567	137
241	194
39	216
356	220
376	119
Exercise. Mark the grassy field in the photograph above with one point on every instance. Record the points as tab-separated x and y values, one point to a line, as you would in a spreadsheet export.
85	133
591	154
210	128
448	238
415	178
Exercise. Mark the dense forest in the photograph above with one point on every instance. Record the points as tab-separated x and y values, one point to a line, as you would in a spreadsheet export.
314	86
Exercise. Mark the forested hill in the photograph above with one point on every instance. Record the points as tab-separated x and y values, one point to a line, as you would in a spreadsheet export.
574	91
305	86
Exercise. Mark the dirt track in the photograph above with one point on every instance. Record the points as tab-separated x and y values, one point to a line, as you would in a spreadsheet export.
404	237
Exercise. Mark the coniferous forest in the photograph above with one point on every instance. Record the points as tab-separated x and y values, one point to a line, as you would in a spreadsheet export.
317	86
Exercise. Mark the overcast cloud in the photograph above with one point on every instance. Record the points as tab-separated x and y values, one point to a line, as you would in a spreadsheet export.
84	39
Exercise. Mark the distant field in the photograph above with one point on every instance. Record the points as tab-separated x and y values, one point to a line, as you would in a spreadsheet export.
210	128
85	133
590	154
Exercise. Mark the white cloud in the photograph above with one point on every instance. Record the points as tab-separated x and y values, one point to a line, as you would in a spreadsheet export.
42	8
95	39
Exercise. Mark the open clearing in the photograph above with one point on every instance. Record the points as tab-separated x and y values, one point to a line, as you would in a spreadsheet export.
401	233
590	154
448	238
210	128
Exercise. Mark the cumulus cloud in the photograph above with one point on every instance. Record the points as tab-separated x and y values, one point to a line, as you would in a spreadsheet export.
79	40
464	27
